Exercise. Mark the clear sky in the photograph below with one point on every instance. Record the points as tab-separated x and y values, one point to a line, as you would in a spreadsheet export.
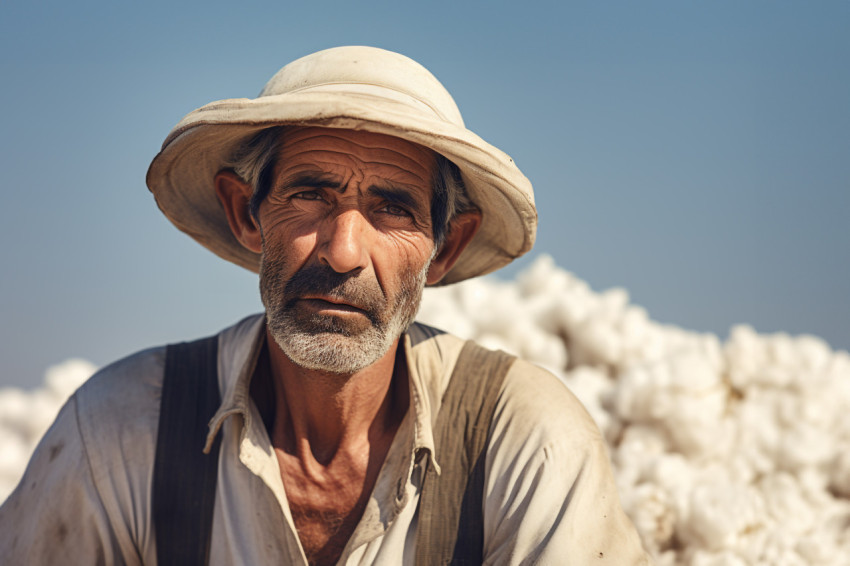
695	153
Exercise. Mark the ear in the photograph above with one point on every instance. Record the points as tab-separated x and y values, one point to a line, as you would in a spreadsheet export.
235	196
460	233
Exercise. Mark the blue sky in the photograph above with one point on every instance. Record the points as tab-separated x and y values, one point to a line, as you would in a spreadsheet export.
694	153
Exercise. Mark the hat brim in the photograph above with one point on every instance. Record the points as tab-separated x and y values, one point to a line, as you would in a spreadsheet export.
181	176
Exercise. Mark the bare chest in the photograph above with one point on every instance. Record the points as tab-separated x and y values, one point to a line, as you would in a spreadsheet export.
325	509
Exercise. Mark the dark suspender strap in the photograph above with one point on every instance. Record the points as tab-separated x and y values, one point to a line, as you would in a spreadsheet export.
184	477
451	521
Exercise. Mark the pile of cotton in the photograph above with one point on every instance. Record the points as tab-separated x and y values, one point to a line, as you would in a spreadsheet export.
724	454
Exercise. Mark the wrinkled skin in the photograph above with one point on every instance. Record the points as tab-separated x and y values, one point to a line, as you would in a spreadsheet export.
347	243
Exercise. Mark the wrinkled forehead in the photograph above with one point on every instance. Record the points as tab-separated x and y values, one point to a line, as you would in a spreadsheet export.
339	150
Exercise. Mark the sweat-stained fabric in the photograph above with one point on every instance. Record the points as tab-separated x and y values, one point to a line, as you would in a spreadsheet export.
549	495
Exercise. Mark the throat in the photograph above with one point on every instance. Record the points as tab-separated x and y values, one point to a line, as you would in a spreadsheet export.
330	448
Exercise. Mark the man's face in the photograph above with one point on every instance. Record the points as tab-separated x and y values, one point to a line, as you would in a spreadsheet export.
347	242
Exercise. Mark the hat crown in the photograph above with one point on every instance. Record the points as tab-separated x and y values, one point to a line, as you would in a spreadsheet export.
362	68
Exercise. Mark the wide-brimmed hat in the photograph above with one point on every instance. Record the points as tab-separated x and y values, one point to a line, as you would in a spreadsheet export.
356	88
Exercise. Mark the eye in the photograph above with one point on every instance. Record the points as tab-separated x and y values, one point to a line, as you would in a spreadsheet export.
395	210
307	195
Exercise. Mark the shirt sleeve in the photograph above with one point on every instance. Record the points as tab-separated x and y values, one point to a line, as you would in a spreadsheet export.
55	515
550	496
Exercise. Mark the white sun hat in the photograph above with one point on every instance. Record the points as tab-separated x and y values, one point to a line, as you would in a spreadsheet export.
356	88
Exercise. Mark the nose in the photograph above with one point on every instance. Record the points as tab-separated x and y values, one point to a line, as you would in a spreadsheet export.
343	242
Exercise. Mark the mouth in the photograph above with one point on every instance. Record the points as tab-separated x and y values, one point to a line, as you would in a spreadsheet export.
327	304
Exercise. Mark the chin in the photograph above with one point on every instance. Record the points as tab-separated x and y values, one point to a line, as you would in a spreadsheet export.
333	352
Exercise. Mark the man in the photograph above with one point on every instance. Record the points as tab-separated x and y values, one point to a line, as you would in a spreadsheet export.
349	184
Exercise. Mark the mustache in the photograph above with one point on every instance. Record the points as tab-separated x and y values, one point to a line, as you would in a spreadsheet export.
361	292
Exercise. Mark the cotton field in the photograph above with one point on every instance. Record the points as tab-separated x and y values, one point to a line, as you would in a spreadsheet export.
728	453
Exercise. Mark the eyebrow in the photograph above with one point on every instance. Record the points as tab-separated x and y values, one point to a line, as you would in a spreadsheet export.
314	181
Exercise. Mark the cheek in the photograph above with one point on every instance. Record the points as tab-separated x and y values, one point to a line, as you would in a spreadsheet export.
288	249
402	254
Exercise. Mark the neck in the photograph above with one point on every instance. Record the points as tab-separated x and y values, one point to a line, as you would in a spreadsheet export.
317	414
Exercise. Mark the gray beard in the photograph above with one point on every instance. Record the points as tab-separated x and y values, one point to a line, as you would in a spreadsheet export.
327	343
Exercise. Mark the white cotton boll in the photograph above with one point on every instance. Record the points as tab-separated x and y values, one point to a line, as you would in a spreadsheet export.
785	503
474	295
450	322
654	346
14	409
535	277
673	474
719	513
573	308
820	549
595	342
814	352
613	303
779	550
498	308
694	372
839	471
440	309
634	329
739	467
537	346
639	446
815	402
543	277
703	558
666	558
814	487
838	370
685	395
641	395
829	544
542	311
652	514
697	426
804	446
782	351
745	355
758	434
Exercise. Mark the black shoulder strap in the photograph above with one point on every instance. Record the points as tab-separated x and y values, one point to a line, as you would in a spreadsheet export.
184	477
451	522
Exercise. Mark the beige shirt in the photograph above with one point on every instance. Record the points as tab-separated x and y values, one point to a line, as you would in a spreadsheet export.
549	495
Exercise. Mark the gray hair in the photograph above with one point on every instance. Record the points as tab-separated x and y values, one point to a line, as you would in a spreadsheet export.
255	158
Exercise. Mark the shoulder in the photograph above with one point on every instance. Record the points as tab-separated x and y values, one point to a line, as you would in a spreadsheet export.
549	488
118	411
540	435
535	401
125	387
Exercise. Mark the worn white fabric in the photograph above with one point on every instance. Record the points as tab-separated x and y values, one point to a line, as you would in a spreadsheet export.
549	492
